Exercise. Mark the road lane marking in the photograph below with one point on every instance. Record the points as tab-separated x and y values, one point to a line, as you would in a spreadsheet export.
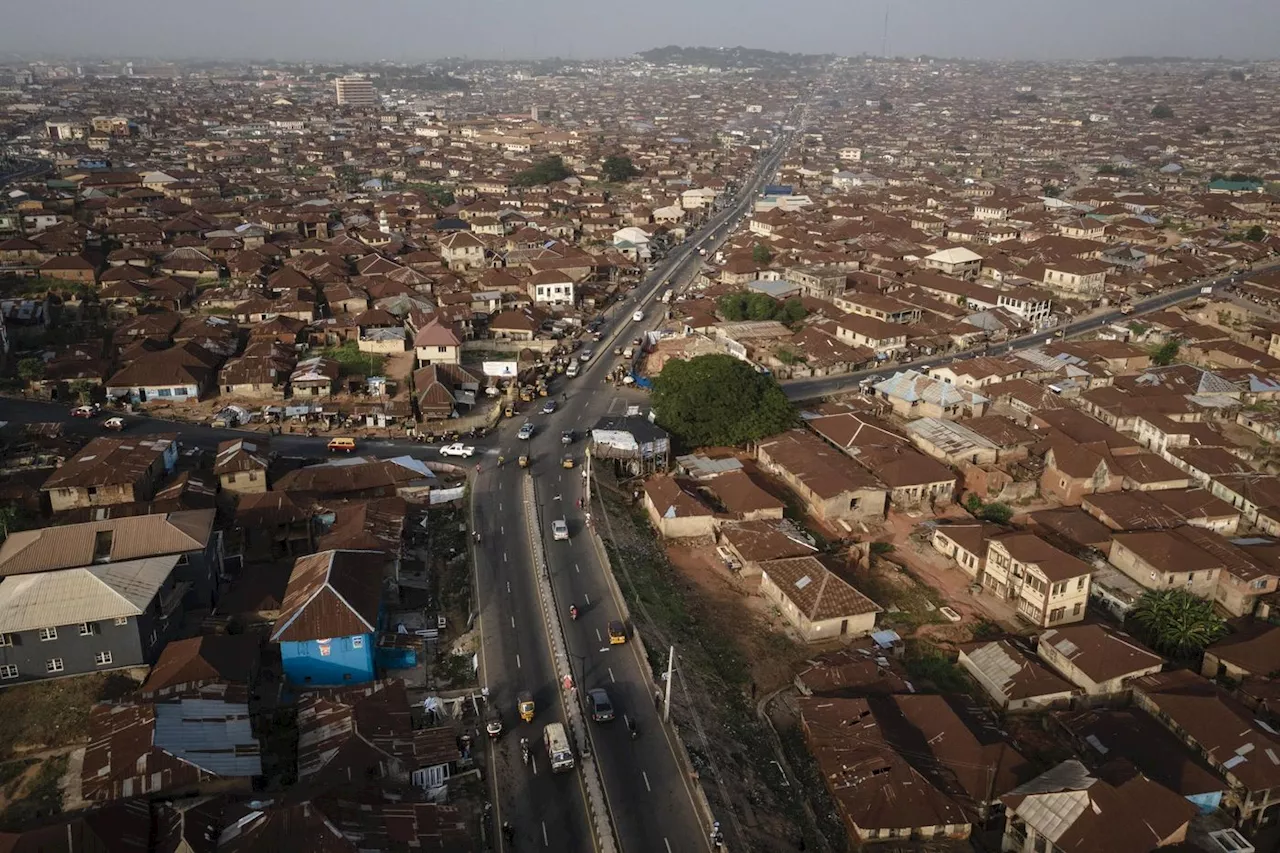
508	587
517	660
576	569
513	621
612	680
545	842
504	556
646	781
599	639
588	598
666	842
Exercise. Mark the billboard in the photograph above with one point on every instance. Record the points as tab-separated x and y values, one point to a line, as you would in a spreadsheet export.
500	369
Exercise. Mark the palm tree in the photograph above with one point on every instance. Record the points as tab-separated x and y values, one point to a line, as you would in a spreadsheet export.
1175	622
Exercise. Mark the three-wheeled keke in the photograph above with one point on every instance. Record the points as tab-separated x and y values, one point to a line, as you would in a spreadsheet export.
524	704
524	460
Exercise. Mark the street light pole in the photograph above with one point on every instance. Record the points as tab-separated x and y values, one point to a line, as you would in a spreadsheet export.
671	666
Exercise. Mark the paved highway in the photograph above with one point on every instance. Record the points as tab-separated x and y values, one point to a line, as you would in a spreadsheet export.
648	793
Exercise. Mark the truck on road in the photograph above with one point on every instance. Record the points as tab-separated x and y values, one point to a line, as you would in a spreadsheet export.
558	751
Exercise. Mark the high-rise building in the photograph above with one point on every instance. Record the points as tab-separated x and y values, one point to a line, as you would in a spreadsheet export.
355	92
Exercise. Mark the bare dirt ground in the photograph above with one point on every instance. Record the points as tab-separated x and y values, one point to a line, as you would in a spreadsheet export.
949	582
727	655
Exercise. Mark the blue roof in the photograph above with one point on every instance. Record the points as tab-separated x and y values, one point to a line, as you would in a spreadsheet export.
778	189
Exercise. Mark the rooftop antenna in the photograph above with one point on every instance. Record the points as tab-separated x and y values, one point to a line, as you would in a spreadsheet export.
884	36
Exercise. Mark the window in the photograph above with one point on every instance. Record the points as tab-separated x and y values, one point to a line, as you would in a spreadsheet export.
442	349
152	639
164	392
53	665
86	629
122	620
1080	583
47	634
1075	611
183	560
5	640
102	658
1056	614
8	671
179	392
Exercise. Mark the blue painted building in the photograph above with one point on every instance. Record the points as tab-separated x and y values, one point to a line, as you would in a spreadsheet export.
330	617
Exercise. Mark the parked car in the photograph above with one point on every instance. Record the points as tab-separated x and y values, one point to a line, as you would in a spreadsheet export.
601	707
586	355
526	431
88	411
459	449
560	529
637	317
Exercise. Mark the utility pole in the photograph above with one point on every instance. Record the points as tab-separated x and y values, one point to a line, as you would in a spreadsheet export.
586	498
666	702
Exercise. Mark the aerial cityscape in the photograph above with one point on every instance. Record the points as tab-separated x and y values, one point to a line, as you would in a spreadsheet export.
541	435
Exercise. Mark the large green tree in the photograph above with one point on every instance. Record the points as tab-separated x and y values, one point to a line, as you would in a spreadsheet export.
619	169
545	171
1256	234
747	305
1175	622
761	254
719	399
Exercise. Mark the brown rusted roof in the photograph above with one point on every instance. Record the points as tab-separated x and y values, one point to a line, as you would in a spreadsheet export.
815	590
352	733
110	461
131	538
331	594
220	658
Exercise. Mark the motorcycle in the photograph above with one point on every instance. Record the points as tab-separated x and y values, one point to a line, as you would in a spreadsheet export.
573	612
524	750
633	729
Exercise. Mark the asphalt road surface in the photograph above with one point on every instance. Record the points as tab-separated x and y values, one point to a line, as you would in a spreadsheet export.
810	389
649	795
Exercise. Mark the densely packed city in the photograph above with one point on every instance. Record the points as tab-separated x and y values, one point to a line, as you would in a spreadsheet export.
700	450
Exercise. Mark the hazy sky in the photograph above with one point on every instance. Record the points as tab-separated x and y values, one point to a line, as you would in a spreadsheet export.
428	29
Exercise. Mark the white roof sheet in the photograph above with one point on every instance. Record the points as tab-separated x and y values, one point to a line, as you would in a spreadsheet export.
90	594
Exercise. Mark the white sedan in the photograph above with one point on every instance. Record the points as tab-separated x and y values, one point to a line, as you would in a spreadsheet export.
459	449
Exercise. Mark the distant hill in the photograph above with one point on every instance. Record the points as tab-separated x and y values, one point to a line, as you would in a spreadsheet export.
730	57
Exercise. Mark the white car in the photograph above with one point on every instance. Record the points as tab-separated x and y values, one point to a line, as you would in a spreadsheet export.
559	529
464	450
637	317
115	424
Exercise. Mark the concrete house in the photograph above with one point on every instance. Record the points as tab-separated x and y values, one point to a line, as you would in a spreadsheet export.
956	261
241	465
1048	587
436	343
877	792
112	470
966	543
1253	651
675	511
87	619
830	483
330	617
551	287
1224	733
1067	808
818	604
1099	661
1161	559
911	394
1013	679
462	251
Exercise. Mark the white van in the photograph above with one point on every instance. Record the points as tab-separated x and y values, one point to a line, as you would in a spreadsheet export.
558	751
572	370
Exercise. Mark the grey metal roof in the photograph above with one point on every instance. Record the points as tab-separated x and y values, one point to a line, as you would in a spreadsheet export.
211	734
88	594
